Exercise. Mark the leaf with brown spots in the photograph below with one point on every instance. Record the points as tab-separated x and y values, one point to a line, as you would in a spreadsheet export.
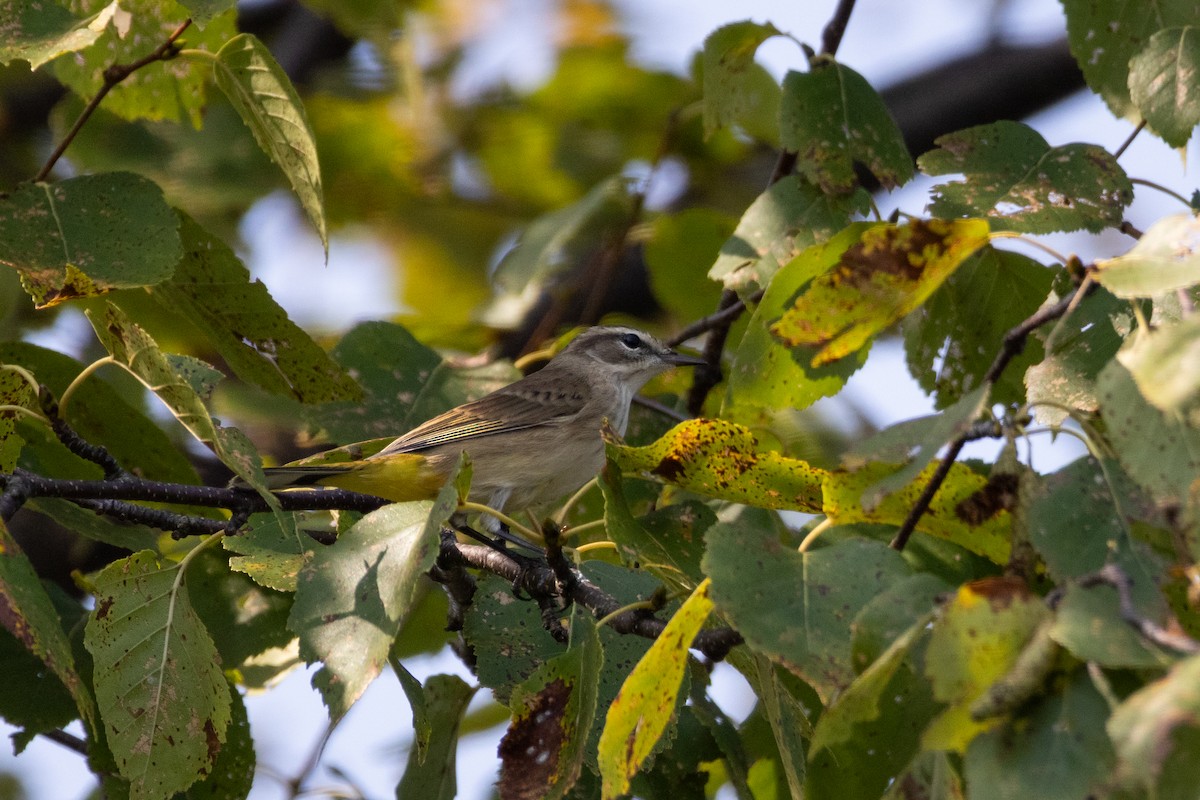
159	685
1016	180
646	703
722	459
88	235
883	272
832	118
542	754
27	612
975	642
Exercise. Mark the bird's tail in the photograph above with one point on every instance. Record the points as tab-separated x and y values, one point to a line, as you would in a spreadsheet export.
399	478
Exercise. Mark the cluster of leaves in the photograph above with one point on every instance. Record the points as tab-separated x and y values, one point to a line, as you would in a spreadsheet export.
1024	643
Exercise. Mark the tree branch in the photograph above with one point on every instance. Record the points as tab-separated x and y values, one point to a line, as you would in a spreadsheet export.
1171	637
112	76
1011	347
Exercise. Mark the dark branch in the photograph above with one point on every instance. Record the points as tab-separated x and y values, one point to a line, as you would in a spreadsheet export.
112	76
542	582
835	29
1013	344
1172	638
709	375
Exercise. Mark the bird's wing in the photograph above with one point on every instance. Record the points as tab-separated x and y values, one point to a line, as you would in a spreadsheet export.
510	409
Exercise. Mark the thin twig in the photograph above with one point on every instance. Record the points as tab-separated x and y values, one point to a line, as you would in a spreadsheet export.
113	75
1112	575
67	740
713	320
835	29
1013	344
709	374
1120	151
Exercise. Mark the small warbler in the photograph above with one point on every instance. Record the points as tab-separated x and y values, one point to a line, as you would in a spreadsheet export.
530	443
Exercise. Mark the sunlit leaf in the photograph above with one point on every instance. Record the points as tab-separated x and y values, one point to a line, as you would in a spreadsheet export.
1163	363
132	346
1086	341
883	272
728	62
1017	181
37	33
201	11
232	773
175	89
270	553
722	459
974	642
953	338
212	289
88	235
644	707
542	753
1167	257
787	218
797	607
1105	35
263	94
159	685
1163	80
353	597
832	118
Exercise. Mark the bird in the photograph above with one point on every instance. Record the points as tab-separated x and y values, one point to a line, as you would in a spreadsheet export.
530	443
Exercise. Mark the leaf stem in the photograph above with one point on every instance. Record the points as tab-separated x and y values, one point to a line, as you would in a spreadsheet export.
1031	242
1163	189
79	379
513	525
113	75
1120	151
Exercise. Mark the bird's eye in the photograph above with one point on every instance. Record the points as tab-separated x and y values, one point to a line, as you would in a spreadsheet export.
631	340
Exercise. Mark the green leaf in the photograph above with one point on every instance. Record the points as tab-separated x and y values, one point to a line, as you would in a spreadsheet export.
646	703
667	542
925	435
891	613
263	94
797	607
40	32
353	597
542	753
172	90
1018	182
974	643
433	778
273	549
952	339
766	376
415	694
132	346
1160	362
1059	750
233	772
789	217
1105	35
680	249
1156	731
201	11
159	686
88	235
1087	340
831	118
1167	257
212	289
888	705
27	612
32	697
882	273
1160	453
14	391
720	459
100	414
728	60
1163	83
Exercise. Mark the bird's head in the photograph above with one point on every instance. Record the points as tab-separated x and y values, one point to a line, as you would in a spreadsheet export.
624	355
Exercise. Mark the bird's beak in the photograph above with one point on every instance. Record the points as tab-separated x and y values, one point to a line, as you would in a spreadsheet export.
681	360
